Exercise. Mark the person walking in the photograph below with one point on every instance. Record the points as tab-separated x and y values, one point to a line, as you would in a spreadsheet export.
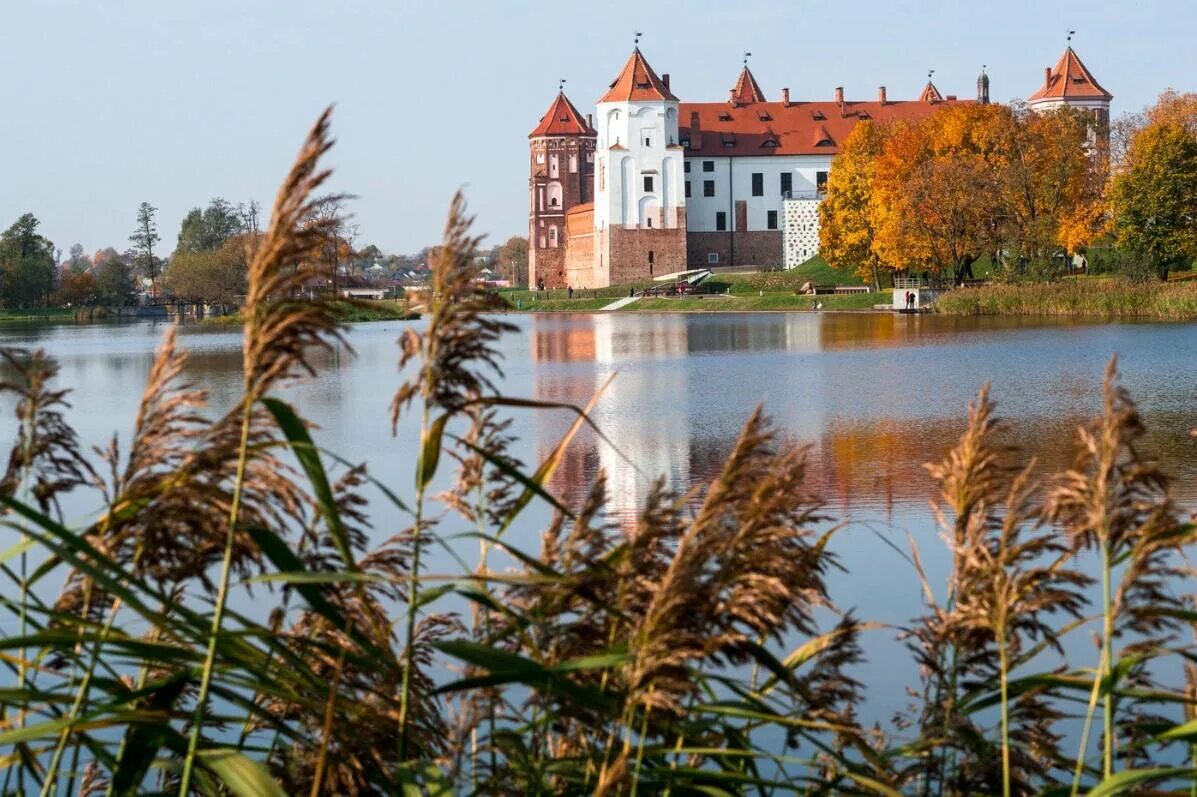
570	290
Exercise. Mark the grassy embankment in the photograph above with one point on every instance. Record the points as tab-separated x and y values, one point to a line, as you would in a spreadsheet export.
35	313
735	292
346	312
1095	298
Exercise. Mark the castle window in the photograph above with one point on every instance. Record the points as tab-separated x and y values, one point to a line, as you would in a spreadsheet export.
687	189
686	167
685	143
552	166
820	181
758	184
721	221
712	258
648	222
708	188
708	166
573	163
725	117
648	182
553	236
787	183
771	220
648	141
763	116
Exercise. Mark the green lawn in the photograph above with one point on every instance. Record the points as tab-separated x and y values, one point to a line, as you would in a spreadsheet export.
776	300
35	313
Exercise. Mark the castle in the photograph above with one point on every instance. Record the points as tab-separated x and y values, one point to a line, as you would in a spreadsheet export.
660	185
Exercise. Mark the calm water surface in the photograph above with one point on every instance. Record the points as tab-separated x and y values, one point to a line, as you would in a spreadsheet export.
874	396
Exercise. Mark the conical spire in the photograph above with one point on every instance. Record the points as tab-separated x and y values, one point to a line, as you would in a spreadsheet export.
637	81
746	90
562	119
1069	79
930	93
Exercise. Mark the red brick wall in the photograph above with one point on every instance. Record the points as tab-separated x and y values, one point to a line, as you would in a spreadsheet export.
579	248
627	252
752	248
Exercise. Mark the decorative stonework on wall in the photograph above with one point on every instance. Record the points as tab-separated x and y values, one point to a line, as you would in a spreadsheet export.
801	231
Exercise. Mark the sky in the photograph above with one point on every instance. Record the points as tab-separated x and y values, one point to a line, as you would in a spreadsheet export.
108	103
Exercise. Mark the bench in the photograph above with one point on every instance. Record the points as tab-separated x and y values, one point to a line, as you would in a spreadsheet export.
852	289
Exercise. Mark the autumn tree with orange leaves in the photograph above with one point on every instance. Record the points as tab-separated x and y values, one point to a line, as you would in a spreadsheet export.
969	180
846	231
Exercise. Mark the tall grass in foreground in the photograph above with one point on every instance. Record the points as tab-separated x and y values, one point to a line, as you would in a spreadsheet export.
644	658
1094	298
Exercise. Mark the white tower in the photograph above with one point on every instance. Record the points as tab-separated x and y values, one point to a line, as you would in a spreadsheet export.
639	187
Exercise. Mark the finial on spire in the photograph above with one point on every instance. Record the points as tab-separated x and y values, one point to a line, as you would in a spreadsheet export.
983	68
636	39
930	72
1071	33
747	55
561	86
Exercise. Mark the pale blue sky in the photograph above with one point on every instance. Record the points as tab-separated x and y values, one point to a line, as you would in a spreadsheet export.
110	102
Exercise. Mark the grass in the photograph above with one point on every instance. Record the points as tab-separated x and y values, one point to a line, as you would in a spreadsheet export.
1091	298
759	302
344	311
644	658
35	313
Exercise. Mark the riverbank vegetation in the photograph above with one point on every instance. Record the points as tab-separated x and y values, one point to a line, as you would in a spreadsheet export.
1089	298
1033	192
694	649
343	311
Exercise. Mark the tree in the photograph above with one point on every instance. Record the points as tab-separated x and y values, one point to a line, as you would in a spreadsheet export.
935	189
337	234
1052	198
78	262
114	281
212	277
513	259
27	270
75	287
1154	199
206	230
144	237
846	231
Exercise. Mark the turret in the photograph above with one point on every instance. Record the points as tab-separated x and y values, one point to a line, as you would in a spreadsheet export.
983	87
561	168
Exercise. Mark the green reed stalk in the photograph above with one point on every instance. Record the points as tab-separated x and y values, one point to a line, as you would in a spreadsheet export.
1079	769
80	697
1108	654
1004	665
409	654
640	751
226	567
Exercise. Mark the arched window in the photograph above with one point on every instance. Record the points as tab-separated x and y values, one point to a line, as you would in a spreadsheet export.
554	195
553	235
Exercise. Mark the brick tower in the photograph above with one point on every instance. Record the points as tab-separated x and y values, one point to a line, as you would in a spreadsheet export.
561	158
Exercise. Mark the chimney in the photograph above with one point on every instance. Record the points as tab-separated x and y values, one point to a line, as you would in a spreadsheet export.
731	97
665	79
881	94
695	131
785	98
1047	76
839	98
951	98
590	121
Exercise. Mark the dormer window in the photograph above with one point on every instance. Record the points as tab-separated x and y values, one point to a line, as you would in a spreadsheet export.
729	139
862	114
724	116
817	115
764	116
770	143
825	142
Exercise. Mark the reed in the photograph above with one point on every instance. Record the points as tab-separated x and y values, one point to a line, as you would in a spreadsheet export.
693	649
1081	298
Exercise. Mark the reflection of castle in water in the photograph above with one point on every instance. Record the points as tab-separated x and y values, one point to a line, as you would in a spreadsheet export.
669	412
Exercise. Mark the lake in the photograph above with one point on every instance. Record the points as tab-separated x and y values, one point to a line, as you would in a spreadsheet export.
874	396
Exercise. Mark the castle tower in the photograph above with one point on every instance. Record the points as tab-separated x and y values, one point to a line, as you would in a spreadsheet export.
983	87
639	194
561	153
1071	84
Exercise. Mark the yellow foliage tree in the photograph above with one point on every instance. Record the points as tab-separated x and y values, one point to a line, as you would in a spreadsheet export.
1154	197
846	231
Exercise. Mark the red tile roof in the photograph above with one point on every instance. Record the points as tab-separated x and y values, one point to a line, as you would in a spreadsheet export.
562	119
716	129
1070	79
746	91
637	81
